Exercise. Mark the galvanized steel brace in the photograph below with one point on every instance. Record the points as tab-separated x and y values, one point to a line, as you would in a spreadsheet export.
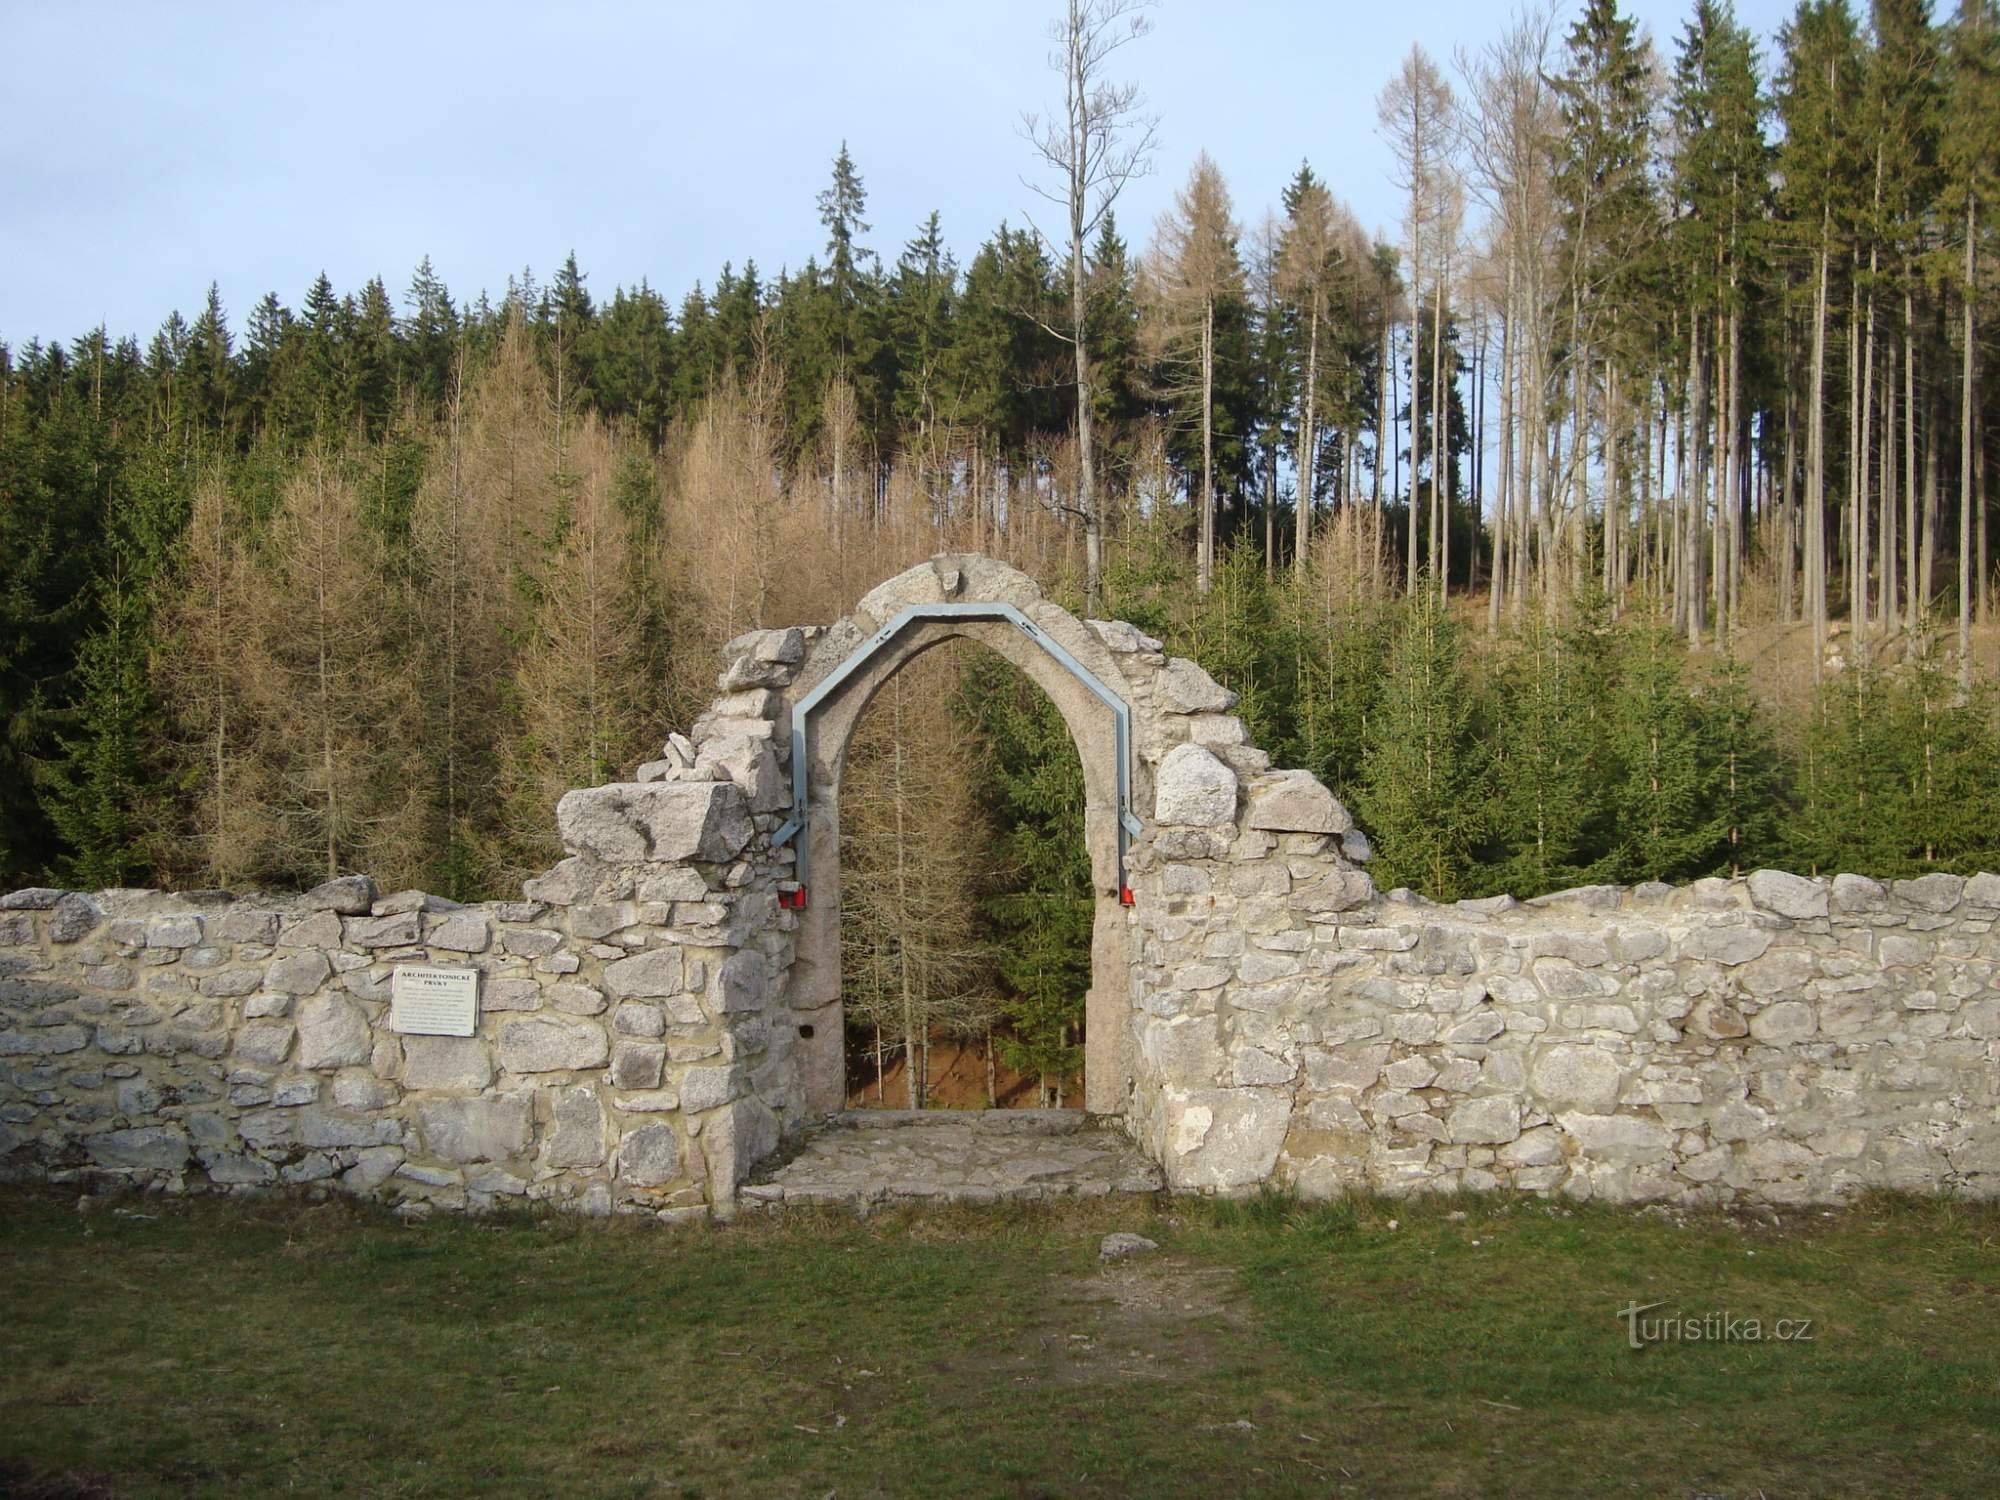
1128	825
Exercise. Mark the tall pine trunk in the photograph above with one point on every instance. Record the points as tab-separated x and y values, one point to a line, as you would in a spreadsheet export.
1815	527
1440	551
1966	493
1502	516
1205	564
1914	598
1308	440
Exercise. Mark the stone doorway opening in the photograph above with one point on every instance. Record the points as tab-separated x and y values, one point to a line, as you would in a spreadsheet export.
965	892
827	709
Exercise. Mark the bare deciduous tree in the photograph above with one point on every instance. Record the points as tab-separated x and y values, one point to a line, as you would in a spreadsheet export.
1101	140
1415	110
1192	267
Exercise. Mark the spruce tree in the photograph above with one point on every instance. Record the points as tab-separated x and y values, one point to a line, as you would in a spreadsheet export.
1042	909
1666	826
918	310
429	332
96	788
98	782
1117	392
1849	787
1544	782
1948	817
1422	778
1744	770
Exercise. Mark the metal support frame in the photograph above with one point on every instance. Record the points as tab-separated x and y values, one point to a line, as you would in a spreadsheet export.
802	712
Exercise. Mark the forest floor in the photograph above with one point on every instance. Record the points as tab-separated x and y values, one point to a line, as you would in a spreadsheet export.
159	1346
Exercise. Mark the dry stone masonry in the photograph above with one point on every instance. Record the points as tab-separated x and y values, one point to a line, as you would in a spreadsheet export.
659	1013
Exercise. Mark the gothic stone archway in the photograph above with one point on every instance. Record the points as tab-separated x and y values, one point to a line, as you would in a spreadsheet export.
1193	1037
849	664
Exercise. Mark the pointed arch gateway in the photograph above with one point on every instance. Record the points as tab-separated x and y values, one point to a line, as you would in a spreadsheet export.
959	598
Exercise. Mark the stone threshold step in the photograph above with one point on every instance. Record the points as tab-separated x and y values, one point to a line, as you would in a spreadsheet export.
985	1121
772	1195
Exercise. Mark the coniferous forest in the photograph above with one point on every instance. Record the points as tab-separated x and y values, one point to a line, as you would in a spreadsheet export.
1622	514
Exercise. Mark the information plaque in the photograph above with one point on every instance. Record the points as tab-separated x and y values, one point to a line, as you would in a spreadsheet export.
433	1002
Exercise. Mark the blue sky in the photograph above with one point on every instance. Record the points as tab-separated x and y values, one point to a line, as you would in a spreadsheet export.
154	148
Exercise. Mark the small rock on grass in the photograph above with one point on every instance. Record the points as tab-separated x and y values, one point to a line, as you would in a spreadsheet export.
1118	1246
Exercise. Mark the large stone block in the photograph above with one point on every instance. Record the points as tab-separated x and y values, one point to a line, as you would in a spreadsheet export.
645	976
572	880
1786	1022
750	762
1225	1139
349	895
1788	895
735	1141
173	932
75	916
398	930
461	932
577	999
1623	1140
265	1042
246	924
548	1045
576	1137
446	1062
1296	802
1539	1147
333	1033
762	659
1726	945
43	1041
711	1087
1857	893
1586	1076
655	821
1337	890
463	1130
32	898
321	1128
298	973
637	1065
320	930
1485	1122
158	1146
1186	689
633	1019
742	982
1184	1053
1938	893
649	1156
1194	789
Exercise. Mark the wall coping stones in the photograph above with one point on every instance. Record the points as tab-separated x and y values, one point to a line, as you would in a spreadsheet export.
349	895
655	822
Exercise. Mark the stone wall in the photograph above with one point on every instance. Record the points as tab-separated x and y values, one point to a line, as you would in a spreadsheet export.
655	1018
1771	1038
624	1056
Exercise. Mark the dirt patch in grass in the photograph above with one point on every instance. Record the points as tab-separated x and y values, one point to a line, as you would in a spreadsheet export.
1160	1318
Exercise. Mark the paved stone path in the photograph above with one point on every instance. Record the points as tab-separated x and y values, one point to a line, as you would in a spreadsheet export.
868	1157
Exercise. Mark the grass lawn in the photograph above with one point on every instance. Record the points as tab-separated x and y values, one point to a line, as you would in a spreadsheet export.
168	1347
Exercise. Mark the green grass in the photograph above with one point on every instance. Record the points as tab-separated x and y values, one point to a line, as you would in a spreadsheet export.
168	1347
